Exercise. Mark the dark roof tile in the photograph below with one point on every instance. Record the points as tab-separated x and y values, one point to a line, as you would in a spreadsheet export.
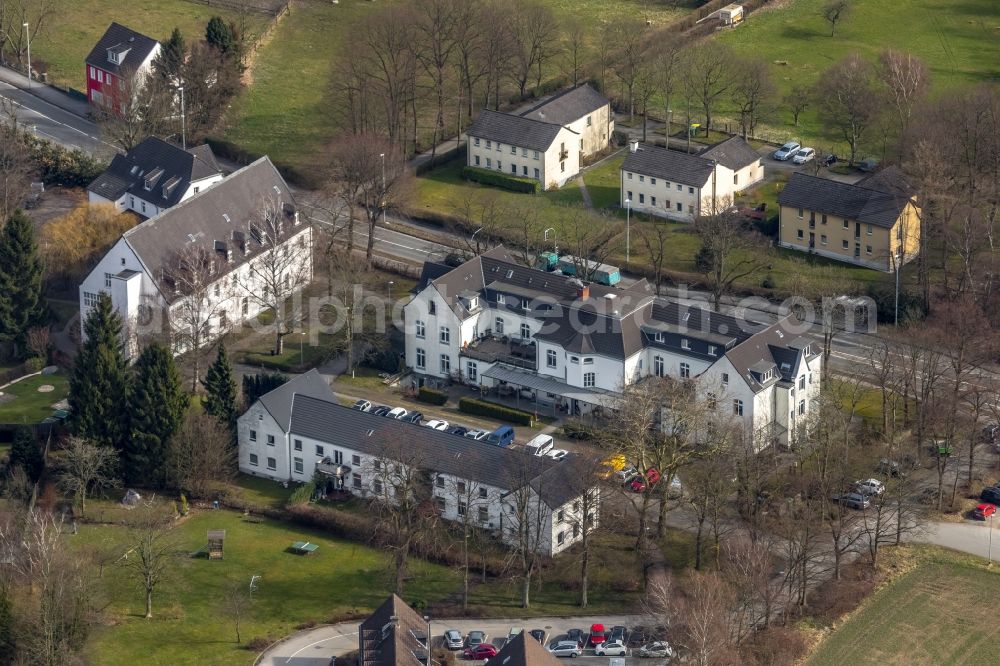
119	38
734	153
670	165
514	130
567	106
852	202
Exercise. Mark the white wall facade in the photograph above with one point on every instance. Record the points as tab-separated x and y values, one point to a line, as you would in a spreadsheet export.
594	130
261	442
543	166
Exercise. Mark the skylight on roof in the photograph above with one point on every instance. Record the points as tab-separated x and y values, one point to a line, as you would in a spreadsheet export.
510	273
226	216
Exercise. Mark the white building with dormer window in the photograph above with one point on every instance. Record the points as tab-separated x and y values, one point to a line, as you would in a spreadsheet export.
557	343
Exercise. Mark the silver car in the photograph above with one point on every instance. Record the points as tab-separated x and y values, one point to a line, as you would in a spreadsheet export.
656	649
565	649
786	151
453	639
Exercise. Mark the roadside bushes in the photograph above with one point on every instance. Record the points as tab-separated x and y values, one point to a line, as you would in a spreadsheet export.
432	396
58	166
502	180
302	494
492	409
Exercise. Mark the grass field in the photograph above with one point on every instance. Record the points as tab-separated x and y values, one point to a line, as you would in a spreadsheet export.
189	626
931	615
958	41
29	405
76	26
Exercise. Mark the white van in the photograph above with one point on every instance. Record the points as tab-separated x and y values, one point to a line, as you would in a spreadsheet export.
540	445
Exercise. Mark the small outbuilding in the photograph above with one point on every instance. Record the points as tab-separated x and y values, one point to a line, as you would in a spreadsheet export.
216	544
731	16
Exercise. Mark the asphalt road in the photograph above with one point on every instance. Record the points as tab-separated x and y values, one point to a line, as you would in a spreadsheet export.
48	121
314	647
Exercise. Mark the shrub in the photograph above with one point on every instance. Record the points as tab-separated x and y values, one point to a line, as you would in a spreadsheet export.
493	410
58	166
302	494
34	364
502	180
432	396
577	430
184	505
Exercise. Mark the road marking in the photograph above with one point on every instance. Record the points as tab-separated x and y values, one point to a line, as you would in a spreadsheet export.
39	113
306	647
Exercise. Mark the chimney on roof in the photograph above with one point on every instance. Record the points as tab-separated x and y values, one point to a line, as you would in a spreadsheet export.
583	292
633	145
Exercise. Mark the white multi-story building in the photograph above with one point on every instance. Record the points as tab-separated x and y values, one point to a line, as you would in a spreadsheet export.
546	142
154	176
300	429
203	259
562	344
676	185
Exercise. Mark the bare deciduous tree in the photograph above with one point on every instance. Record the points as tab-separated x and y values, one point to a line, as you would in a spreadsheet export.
151	549
629	38
534	35
86	467
655	238
708	75
905	77
704	611
435	24
797	101
282	265
834	12
849	100
731	250
752	93
201	454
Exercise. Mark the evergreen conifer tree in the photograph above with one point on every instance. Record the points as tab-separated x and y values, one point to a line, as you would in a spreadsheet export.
221	35
26	453
220	387
156	405
169	63
97	387
21	304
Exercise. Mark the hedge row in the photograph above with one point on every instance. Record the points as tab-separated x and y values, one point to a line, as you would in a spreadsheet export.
493	410
502	180
432	396
58	166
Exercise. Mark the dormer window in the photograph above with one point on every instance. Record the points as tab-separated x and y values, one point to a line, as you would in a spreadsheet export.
685	344
473	302
658	336
500	299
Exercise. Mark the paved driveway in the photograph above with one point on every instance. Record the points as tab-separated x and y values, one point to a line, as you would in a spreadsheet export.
315	646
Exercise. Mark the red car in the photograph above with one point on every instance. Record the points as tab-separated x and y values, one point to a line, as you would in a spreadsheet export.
638	485
597	635
480	652
983	511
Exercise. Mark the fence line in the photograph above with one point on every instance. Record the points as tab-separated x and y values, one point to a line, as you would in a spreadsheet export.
237	5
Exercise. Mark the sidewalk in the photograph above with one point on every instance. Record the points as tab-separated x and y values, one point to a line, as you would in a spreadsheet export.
43	91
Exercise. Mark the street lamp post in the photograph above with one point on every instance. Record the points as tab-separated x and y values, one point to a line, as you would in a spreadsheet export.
427	619
302	337
27	31
382	197
390	290
989	551
628	239
183	120
545	237
473	237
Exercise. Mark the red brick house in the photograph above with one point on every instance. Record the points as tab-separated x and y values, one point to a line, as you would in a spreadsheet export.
121	52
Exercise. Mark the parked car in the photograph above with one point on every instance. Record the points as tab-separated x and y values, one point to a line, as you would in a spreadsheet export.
618	633
381	410
362	406
540	445
869	487
481	652
853	500
458	430
638	484
565	649
984	511
474	638
557	454
804	155
397	413
453	639
868	165
611	649
575	635
990	494
785	153
413	417
829	160
539	635
476	434
626	474
437	424
502	436
656	649
597	635
514	631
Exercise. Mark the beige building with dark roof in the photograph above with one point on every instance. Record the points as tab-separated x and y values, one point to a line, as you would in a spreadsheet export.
873	223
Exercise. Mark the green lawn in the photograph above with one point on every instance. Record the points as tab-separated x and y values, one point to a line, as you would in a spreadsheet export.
189	626
75	27
931	615
262	492
286	113
959	42
30	406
